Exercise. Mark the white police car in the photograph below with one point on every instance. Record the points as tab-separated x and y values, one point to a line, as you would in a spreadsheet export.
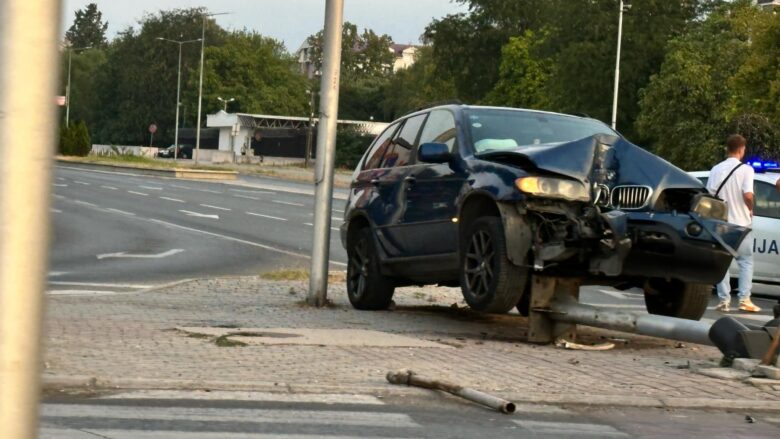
766	222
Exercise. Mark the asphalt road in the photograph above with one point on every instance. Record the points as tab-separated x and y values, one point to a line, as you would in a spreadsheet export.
201	415
125	230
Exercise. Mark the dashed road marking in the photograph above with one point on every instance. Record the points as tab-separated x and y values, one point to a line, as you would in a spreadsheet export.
198	214
253	192
332	228
245	196
60	185
85	203
164	254
122	212
288	203
151	188
267	216
209	191
175	200
215	207
111	188
58	196
84	183
53	210
180	187
138	193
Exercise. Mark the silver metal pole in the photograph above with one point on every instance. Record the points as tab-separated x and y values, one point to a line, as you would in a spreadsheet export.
29	31
200	88
326	152
178	103
309	132
617	68
67	91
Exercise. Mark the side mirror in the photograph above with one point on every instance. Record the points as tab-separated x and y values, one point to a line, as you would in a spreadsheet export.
434	153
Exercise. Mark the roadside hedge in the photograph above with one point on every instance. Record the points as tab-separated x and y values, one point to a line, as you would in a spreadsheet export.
75	140
351	143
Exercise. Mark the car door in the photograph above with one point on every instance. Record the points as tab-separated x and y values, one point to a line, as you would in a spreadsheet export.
390	186
431	193
766	232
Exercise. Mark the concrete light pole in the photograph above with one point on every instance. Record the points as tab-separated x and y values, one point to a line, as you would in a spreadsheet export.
225	102
310	131
625	5
29	31
326	152
178	95
200	81
67	87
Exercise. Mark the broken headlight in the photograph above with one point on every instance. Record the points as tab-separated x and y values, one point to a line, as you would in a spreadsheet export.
553	188
708	206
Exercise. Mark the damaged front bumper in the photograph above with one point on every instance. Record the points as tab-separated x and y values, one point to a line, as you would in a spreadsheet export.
670	245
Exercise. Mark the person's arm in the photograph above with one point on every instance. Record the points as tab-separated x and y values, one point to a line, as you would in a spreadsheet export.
747	189
748	196
777	185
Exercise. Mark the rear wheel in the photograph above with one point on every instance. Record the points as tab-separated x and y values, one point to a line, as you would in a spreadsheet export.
676	299
367	287
490	282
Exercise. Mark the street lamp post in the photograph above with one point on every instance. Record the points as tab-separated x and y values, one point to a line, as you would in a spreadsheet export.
225	102
200	81
67	87
310	131
178	95
625	5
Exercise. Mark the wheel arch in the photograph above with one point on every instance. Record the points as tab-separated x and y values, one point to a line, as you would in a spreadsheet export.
517	231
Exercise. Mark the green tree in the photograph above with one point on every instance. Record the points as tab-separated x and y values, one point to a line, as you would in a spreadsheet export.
88	28
362	55
523	74
85	95
758	79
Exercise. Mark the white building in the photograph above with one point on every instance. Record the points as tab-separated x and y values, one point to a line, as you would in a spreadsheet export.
769	3
405	55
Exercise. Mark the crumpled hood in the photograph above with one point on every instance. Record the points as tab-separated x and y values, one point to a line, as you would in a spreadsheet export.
603	158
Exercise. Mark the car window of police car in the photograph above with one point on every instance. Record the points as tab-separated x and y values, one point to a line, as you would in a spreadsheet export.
767	200
380	147
439	128
404	143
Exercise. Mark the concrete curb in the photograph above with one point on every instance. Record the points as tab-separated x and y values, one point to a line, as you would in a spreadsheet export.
182	173
63	382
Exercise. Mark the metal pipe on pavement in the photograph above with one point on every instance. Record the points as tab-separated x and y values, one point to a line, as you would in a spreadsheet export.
29	31
571	311
409	378
326	152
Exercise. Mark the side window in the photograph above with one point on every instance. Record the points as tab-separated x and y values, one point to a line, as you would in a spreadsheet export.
767	200
379	148
404	142
439	128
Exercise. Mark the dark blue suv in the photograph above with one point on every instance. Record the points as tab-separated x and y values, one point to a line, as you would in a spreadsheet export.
485	198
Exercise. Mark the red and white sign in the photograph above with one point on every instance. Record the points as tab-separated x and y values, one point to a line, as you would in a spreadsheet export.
152	128
60	101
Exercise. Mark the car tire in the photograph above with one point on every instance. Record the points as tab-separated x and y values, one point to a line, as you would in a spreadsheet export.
367	287
676	299
490	282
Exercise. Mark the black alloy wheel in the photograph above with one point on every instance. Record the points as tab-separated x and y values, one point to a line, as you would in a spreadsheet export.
490	282
367	288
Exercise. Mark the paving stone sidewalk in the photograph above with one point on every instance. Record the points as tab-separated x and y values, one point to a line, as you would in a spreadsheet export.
131	340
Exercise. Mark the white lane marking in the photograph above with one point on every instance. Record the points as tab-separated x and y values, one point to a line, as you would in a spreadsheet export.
100	284
206	414
60	179
571	429
245	196
151	188
615	294
85	203
56	273
82	183
138	193
332	228
60	185
180	186
57	196
199	215
176	200
216	207
80	293
226	395
253	192
122	212
53	210
308	224
333	218
209	191
241	241
337	210
288	203
267	216
164	254
111	188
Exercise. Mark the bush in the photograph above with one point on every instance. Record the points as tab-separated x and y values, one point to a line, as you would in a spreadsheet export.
351	144
75	140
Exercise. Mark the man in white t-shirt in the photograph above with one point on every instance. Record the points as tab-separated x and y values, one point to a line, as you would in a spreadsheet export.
732	181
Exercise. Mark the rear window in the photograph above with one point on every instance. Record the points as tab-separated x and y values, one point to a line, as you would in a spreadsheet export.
404	143
379	148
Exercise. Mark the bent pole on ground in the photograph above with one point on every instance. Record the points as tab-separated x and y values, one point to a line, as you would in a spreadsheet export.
409	378
326	152
29	31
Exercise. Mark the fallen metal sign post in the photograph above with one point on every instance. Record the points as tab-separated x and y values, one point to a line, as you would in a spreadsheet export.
409	378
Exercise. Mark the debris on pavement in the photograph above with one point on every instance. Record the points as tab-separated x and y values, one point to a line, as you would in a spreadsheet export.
750	419
409	378
565	344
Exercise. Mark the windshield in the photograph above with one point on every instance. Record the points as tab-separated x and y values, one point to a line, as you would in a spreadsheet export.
496	129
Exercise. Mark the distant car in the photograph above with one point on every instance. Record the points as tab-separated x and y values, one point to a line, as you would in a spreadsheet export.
185	152
766	226
487	198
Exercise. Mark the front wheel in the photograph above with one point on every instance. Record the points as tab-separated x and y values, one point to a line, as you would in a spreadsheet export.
367	287
676	299
490	282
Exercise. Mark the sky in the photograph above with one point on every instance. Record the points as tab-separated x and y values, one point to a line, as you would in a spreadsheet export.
290	21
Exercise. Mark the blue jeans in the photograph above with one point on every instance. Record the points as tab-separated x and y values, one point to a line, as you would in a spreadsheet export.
745	263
